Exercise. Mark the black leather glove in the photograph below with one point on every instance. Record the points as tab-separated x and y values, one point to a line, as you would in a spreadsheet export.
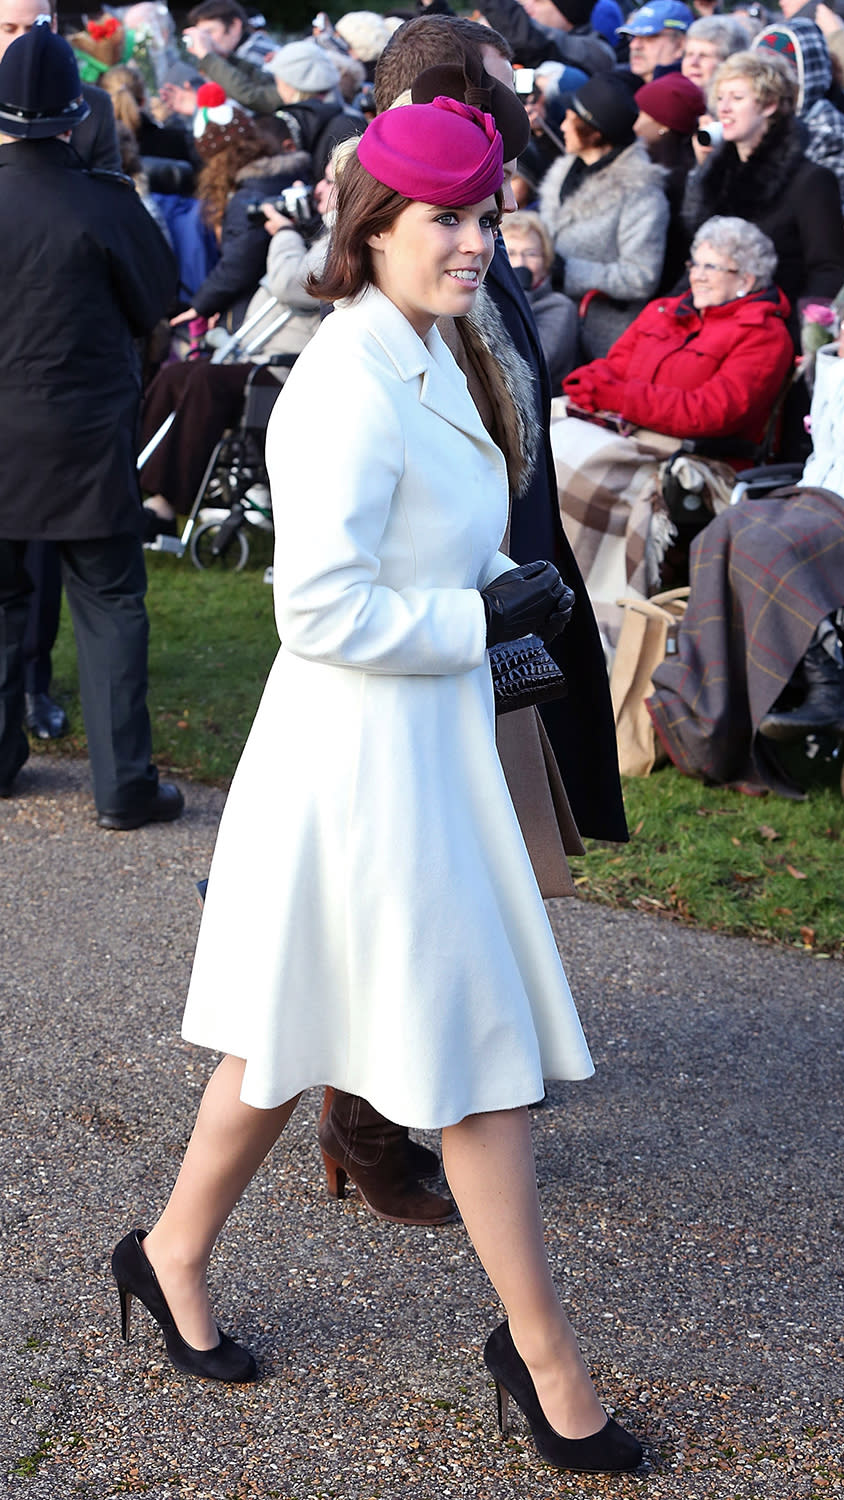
531	600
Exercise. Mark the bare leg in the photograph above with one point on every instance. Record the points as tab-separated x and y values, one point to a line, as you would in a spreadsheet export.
489	1164
229	1142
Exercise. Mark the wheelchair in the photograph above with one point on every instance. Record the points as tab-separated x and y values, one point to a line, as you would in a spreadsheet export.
233	495
235	482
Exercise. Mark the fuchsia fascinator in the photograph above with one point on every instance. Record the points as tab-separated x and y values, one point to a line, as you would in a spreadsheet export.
446	152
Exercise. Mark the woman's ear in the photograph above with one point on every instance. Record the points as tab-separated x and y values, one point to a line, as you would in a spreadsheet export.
376	241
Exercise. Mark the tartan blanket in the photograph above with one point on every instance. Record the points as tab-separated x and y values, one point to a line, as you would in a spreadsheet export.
611	506
764	575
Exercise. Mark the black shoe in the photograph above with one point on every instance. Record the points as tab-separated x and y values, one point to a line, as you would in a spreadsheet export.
822	708
611	1450
155	525
43	717
165	806
7	787
136	1278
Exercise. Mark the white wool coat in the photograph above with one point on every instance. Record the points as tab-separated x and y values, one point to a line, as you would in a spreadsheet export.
611	234
372	920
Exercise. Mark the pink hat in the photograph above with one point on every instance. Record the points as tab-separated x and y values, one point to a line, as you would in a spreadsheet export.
445	152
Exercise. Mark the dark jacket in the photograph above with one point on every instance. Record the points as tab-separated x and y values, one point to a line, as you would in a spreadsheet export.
794	202
690	374
580	726
243	246
85	271
532	44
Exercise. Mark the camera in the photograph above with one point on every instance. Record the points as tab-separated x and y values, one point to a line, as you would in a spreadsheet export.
711	134
296	203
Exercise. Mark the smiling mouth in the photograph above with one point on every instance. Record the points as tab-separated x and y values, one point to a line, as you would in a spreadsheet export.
469	278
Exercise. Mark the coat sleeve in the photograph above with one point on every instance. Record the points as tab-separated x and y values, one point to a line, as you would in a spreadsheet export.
533	44
244	81
633	272
333	491
737	398
142	266
289	263
817	211
243	260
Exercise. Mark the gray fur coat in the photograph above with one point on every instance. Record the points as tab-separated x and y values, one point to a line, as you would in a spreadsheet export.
611	234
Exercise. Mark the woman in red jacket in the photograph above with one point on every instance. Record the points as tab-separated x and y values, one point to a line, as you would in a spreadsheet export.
708	364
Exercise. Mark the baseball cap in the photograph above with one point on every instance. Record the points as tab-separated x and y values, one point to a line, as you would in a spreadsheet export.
658	15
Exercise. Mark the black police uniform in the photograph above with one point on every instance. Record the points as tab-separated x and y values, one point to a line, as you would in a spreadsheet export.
86	270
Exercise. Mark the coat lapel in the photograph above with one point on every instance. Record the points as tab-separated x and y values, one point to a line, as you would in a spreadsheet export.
443	387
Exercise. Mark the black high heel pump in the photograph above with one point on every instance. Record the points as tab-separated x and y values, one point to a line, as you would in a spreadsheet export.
136	1278
611	1450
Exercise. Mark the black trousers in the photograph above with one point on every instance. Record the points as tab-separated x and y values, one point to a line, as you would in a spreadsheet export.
44	568
105	584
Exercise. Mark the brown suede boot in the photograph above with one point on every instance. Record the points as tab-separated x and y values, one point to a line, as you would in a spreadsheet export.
360	1144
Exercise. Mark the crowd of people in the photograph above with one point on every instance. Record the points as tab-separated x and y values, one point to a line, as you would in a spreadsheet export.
631	221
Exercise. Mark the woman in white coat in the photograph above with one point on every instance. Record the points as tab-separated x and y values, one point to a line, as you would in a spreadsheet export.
401	950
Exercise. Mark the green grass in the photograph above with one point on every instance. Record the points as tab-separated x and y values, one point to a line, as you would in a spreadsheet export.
762	866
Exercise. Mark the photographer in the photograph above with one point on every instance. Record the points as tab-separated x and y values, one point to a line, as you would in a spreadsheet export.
206	397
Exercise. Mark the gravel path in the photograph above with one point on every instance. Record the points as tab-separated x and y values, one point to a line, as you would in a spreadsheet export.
692	1193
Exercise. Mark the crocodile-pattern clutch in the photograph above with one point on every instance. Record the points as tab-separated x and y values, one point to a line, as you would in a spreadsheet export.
524	673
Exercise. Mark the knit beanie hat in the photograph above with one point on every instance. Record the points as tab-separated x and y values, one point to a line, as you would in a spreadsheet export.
673	101
445	152
218	121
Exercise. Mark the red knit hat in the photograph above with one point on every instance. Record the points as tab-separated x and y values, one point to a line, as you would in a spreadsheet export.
672	100
218	121
444	152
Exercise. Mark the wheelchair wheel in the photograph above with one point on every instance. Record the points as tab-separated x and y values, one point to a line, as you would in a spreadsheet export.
216	544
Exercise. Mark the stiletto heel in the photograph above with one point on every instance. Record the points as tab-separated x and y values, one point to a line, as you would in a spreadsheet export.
125	1310
135	1277
609	1451
503	1397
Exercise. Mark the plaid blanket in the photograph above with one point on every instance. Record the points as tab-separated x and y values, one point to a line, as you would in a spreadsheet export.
764	574
610	497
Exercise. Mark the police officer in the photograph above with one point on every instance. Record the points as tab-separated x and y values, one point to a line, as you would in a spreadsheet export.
85	272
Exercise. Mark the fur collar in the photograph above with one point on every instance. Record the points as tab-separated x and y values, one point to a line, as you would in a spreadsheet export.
728	185
600	192
291	164
511	379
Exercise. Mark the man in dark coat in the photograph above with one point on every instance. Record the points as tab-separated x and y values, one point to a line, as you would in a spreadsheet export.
95	140
86	272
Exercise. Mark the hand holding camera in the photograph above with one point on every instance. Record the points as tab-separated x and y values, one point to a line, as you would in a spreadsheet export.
293	209
530	600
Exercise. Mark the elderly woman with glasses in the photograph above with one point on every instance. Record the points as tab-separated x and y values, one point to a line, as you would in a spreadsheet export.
708	364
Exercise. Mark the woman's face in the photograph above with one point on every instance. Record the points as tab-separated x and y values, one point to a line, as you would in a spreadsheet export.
525	249
431	261
700	59
744	119
570	133
648	129
714	278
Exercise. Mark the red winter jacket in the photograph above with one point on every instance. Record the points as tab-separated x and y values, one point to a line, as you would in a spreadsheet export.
713	373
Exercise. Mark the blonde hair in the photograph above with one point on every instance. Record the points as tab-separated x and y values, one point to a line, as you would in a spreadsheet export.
126	87
522	223
365	32
770	75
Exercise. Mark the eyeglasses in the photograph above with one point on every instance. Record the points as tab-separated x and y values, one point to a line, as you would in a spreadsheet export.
707	267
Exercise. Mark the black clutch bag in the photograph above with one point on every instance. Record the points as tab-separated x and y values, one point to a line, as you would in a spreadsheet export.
524	673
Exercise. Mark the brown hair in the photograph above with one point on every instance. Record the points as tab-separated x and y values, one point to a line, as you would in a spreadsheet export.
218	177
426	42
364	207
126	88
